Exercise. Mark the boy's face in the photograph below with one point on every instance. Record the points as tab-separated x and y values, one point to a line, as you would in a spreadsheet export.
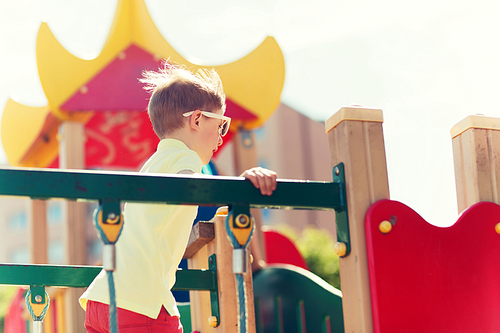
210	138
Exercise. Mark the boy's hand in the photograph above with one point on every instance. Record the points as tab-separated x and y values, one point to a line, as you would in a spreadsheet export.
261	178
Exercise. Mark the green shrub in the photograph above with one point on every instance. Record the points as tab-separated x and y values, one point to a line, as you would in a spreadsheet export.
317	248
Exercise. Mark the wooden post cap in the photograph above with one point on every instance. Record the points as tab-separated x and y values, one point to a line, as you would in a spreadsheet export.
354	113
475	121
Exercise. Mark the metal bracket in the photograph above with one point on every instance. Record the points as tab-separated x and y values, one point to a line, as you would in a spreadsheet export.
343	246
246	139
214	293
108	221
240	223
37	294
110	209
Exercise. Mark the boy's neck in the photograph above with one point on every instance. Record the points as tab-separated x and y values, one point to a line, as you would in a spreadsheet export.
182	136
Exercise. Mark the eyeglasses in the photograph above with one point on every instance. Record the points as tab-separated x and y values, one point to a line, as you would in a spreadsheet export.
226	121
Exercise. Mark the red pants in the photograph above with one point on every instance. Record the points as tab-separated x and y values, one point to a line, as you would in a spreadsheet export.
97	321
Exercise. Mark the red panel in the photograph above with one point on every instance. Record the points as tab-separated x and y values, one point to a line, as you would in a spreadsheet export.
236	111
121	136
117	86
425	278
281	250
14	319
119	139
122	140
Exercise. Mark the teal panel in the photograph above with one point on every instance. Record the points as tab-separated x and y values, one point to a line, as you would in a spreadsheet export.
185	311
282	294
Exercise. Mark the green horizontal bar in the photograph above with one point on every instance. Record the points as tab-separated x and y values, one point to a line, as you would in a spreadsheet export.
195	279
82	276
161	188
47	275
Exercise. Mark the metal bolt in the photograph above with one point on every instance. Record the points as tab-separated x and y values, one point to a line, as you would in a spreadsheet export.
243	219
111	216
385	227
337	171
340	249
38	298
212	321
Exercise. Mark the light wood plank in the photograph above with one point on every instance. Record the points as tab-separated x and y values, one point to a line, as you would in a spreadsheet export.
356	139
201	234
228	302
245	157
38	232
72	156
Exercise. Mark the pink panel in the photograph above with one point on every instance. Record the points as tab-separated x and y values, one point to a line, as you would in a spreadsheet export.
425	278
116	87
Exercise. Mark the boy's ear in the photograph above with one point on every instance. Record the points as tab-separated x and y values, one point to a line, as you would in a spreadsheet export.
195	119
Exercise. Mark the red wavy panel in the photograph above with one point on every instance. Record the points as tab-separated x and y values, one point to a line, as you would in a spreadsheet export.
425	278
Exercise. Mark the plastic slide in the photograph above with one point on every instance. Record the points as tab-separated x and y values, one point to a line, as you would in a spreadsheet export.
292	300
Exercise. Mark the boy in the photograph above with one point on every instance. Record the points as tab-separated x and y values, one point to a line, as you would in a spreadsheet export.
187	114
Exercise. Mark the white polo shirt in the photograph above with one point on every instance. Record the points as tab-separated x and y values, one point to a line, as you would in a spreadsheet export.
152	243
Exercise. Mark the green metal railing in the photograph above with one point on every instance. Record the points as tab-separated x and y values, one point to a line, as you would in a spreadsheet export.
161	188
82	276
112	188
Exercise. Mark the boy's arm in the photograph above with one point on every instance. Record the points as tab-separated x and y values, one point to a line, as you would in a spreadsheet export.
261	178
185	172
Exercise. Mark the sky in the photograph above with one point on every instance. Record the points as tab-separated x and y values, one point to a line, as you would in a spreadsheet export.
426	64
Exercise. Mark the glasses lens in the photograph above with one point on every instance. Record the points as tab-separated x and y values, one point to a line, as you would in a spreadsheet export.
224	128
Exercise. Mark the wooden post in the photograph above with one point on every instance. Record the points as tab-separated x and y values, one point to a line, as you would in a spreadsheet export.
197	255
72	156
245	157
476	155
38	232
355	138
199	301
228	301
